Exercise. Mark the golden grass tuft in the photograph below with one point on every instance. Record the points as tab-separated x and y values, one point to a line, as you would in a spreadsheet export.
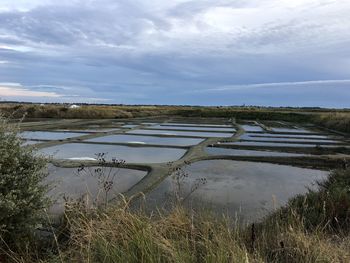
120	235
336	121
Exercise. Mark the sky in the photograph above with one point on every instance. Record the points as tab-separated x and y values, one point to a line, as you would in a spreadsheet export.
199	52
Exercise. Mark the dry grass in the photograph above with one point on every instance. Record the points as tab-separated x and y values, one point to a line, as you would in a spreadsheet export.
336	121
312	228
120	235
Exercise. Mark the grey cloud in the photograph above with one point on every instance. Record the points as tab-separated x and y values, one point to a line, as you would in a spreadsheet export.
133	51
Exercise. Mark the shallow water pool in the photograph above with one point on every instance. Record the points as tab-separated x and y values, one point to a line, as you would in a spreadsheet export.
240	152
129	154
296	130
88	183
49	135
202	128
248	190
198	124
287	139
250	128
287	136
185	133
147	140
28	142
284	144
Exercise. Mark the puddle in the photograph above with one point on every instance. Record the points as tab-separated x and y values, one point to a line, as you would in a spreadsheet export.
249	128
246	189
68	182
128	154
203	128
147	140
48	135
239	152
186	133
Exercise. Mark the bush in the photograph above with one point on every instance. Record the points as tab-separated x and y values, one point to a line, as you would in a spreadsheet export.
22	194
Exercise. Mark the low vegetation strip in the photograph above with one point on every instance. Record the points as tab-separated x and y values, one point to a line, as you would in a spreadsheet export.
336	120
109	112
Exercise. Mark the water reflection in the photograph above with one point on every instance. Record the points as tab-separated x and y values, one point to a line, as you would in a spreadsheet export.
147	139
72	183
129	154
245	189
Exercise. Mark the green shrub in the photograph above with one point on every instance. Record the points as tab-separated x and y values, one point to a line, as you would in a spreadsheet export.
22	194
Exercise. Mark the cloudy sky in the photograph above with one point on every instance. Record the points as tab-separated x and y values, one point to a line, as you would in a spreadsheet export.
253	52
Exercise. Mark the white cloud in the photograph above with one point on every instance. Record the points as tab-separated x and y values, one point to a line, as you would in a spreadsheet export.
282	85
42	93
17	90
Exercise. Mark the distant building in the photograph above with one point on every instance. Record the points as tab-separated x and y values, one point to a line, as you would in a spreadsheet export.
73	106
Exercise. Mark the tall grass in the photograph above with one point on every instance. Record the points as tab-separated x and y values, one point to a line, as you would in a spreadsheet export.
121	235
336	121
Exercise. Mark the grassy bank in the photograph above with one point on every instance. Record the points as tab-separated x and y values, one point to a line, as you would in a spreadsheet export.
336	121
312	228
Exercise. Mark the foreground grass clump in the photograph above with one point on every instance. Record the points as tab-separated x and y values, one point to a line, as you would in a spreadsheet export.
22	194
120	235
